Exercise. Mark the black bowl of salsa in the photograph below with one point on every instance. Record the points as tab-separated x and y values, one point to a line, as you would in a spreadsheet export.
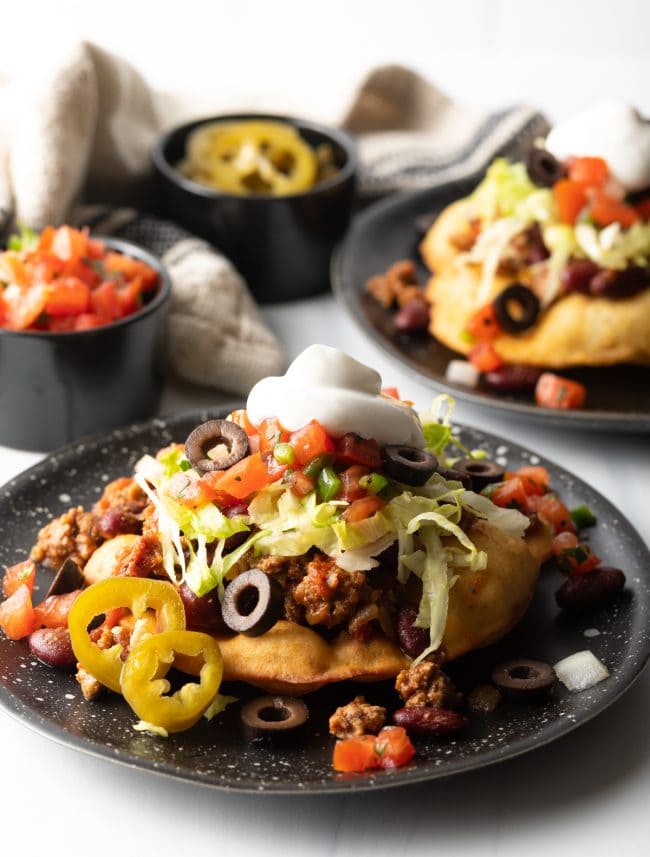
59	385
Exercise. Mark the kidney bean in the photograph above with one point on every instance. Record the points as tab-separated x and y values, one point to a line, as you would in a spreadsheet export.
583	592
117	522
412	640
577	275
513	378
53	647
202	613
422	720
413	316
619	284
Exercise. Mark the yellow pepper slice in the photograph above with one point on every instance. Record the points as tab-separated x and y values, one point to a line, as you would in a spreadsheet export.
137	594
250	157
144	684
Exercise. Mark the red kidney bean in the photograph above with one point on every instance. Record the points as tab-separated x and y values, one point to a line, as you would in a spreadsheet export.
422	720
202	613
577	275
513	378
619	284
412	640
117	522
583	592
53	647
413	316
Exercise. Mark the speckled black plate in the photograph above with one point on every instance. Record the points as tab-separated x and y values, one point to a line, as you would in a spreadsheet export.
214	753
618	397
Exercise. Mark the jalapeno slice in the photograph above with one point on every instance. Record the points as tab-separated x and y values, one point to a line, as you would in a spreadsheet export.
146	689
135	593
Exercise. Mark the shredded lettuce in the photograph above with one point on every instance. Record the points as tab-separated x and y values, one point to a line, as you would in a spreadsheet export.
203	578
510	521
505	186
613	247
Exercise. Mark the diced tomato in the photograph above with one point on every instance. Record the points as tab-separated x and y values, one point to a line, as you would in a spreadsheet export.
67	296
485	358
17	575
564	541
24	305
105	303
391	391
131	268
46	239
53	612
571	198
553	511
581	560
590	172
392	748
554	391
129	295
354	449
275	468
536	480
271	432
17	614
299	482
68	243
359	510
13	269
4	310
87	321
47	268
605	210
510	494
643	209
483	325
241	419
242	479
190	492
310	441
84	272
95	248
350	477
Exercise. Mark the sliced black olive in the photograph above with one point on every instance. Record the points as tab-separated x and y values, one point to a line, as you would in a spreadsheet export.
524	680
482	471
526	308
252	603
273	717
408	464
216	445
544	169
67	579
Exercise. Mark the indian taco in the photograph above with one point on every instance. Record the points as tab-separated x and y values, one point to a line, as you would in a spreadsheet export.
547	263
324	533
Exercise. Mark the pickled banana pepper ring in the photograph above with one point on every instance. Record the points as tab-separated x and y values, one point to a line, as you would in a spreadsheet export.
135	593
145	687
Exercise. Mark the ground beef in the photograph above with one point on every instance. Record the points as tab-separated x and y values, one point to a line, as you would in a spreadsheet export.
73	535
398	285
90	687
357	718
144	559
425	684
329	595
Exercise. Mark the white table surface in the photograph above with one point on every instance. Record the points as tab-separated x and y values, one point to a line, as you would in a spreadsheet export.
586	794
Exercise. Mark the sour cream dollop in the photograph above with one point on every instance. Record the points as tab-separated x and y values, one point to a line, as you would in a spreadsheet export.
343	394
611	130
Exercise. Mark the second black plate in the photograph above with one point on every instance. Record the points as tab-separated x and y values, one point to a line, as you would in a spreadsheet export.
618	397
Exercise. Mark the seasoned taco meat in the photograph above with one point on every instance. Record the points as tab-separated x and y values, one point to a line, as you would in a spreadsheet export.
73	535
357	718
426	685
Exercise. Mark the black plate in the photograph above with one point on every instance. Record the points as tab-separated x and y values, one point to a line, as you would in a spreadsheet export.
618	397
214	753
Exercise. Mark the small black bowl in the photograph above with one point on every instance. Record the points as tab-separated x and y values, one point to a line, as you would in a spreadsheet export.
57	387
281	244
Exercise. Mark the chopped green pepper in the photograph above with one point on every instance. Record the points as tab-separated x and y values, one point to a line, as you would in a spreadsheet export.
582	516
283	453
373	482
314	467
329	483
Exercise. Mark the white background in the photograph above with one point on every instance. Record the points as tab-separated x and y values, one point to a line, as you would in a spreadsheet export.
589	792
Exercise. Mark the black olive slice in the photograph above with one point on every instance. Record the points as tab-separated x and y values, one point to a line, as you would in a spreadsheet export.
273	717
408	464
526	308
252	603
524	680
543	168
456	475
216	445
67	579
482	471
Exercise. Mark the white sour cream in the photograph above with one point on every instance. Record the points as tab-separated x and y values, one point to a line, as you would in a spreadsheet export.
611	130
344	395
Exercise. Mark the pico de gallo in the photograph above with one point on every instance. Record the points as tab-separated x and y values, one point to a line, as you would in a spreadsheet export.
62	280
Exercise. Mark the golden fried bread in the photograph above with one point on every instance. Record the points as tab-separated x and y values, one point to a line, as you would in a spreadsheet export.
575	330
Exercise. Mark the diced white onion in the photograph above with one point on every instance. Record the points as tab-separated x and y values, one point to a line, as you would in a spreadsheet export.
462	372
581	670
